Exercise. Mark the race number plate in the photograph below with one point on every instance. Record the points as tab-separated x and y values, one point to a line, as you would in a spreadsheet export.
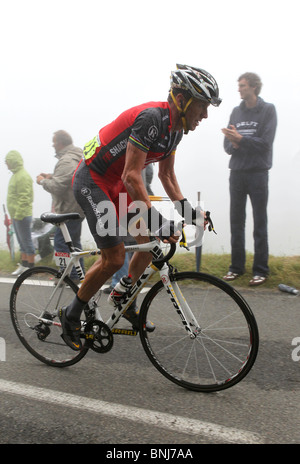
61	259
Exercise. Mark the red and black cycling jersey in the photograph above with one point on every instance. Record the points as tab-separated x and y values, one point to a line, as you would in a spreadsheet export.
147	126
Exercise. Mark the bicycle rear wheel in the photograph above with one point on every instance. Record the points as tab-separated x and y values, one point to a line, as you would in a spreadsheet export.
35	299
224	343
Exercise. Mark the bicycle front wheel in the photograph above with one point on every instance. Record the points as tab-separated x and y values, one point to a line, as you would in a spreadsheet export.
222	345
34	303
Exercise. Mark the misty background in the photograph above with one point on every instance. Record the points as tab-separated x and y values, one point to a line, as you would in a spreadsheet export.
76	66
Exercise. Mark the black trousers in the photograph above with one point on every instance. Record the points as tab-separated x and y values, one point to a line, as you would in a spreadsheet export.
256	186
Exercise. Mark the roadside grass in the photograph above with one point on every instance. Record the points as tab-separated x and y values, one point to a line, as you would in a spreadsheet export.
283	269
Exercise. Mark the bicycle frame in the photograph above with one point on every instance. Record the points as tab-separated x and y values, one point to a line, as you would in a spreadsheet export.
153	247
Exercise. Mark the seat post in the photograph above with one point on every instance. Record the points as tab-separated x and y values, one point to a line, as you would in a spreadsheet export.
66	236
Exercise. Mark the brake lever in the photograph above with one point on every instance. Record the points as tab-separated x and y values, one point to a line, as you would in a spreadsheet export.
183	242
209	220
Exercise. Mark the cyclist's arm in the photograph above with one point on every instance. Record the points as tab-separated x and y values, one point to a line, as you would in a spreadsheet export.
132	174
133	182
169	181
168	178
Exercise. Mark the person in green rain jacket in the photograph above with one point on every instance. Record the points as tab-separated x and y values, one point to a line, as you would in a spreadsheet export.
19	205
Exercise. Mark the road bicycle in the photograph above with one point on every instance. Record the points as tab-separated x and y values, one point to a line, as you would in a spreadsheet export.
205	339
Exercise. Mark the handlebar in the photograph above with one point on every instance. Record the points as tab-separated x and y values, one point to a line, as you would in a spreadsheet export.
199	233
183	241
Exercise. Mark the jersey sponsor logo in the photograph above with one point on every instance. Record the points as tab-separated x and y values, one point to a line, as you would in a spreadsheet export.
85	191
119	147
153	133
99	210
161	145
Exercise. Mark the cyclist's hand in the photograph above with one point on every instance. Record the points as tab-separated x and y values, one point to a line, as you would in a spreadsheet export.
192	216
199	217
169	232
173	239
165	230
196	217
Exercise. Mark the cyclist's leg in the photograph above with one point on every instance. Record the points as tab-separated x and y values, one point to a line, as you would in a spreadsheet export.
139	260
109	262
103	226
138	264
103	269
101	215
136	230
132	229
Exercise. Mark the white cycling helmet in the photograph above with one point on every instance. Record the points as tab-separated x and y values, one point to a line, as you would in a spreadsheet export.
199	83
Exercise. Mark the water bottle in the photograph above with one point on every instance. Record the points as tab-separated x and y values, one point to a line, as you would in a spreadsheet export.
286	288
122	287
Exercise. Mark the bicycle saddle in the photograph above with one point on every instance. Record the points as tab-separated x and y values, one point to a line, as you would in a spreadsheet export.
58	218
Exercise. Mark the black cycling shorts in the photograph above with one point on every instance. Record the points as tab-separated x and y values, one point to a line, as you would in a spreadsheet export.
102	212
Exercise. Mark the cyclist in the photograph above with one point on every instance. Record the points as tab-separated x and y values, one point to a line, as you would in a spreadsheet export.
112	165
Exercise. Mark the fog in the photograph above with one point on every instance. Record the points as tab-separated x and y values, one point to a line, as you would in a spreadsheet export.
76	65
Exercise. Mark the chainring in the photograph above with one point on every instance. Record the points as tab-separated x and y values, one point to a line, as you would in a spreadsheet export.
98	336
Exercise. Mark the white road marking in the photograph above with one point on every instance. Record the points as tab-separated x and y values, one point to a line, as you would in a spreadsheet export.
8	280
144	416
11	280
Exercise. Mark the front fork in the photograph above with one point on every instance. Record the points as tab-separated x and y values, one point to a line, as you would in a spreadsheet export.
179	302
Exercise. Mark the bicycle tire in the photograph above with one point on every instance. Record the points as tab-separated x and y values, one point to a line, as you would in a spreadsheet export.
226	342
28	302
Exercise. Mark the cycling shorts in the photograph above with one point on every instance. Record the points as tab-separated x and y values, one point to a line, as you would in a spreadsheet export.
105	207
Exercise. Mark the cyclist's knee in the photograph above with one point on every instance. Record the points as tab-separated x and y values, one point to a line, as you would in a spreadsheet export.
113	258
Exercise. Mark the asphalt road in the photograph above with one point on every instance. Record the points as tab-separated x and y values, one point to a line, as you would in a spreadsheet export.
118	398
